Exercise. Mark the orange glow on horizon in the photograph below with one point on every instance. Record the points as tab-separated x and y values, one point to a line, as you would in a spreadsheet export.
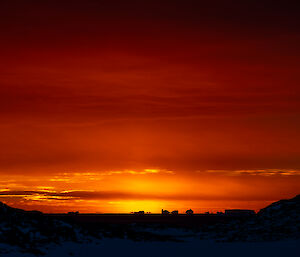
151	190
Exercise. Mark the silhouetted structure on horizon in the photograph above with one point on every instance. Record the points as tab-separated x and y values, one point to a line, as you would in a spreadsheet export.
239	213
73	212
189	212
165	212
139	213
228	212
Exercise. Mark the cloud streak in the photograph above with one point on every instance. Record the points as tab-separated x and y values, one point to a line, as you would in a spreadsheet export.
261	172
113	195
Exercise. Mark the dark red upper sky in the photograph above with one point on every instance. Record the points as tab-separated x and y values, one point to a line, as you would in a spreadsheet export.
181	86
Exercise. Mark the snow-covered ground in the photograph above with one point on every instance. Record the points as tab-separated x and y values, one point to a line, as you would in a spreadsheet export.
192	247
274	232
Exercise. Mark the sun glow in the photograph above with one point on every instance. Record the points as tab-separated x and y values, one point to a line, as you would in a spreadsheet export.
129	206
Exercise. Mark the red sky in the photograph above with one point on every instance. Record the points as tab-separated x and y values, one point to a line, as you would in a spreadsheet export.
107	106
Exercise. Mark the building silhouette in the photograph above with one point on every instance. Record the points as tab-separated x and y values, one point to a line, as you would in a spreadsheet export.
239	213
139	213
165	212
189	212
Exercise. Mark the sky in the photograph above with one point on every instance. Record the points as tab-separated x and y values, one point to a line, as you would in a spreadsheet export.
120	106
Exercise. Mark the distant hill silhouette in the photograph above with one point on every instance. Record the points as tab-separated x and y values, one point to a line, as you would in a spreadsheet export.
280	220
31	229
282	209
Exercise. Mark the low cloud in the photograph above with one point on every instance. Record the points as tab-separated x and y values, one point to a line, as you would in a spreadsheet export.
115	195
259	172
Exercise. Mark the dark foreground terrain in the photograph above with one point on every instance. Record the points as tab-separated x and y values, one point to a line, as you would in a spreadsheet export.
180	220
25	233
